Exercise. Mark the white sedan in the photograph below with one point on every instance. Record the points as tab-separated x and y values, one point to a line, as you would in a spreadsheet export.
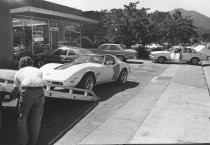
87	71
180	54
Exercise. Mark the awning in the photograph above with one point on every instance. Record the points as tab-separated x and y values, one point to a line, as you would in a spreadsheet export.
49	14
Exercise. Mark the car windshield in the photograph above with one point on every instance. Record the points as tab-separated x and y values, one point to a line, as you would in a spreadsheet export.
60	52
171	49
90	58
83	59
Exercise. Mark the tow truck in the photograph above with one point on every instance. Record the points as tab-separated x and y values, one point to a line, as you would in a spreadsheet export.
6	87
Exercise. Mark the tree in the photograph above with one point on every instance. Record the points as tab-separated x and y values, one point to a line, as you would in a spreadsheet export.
158	24
86	42
172	28
128	25
206	37
131	25
180	29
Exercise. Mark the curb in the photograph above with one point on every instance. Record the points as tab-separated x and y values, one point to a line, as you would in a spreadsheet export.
206	72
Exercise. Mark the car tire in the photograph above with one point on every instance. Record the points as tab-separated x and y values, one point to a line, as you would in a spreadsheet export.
161	60
122	78
194	61
120	57
87	82
40	63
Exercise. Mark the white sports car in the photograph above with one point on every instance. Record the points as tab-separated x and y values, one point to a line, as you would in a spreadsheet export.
87	71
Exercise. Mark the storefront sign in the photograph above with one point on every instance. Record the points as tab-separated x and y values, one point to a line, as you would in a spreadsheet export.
54	29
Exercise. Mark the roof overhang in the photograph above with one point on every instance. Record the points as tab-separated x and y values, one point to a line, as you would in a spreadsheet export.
44	13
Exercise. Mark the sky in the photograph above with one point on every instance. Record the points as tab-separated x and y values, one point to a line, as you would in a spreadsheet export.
201	6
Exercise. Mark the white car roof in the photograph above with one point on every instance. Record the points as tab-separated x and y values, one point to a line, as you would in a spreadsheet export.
109	44
68	47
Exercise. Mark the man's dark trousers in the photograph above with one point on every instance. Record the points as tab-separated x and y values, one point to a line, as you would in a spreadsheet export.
31	102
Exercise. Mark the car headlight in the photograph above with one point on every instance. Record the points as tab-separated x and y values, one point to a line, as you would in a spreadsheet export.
73	80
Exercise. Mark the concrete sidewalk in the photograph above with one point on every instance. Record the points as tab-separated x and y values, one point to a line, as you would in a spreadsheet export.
171	113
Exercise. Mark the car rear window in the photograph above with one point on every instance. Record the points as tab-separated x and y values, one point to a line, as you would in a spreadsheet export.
60	52
103	47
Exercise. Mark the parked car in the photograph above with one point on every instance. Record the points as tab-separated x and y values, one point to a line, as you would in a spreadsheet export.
178	53
20	51
64	54
118	50
154	47
87	71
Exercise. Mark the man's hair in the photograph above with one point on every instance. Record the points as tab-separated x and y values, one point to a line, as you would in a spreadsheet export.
25	61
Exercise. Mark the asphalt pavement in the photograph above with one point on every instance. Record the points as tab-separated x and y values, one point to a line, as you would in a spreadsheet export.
173	108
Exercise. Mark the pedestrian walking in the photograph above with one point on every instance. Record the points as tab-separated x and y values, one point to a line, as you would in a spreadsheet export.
28	82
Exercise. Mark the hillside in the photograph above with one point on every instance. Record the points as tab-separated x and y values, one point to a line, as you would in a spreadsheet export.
201	21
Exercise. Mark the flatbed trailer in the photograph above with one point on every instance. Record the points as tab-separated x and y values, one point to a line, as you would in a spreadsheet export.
59	91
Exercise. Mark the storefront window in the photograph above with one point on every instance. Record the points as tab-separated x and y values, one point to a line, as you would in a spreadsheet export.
63	34
22	37
40	36
75	35
35	36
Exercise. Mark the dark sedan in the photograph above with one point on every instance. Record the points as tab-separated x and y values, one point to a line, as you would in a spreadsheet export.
63	54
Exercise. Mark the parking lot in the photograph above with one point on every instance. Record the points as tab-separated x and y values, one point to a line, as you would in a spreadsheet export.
62	115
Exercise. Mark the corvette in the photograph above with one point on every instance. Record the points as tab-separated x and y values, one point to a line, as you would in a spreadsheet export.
87	71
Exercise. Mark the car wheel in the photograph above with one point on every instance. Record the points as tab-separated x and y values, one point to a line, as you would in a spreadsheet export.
120	57
122	79
194	61
87	82
161	60
40	63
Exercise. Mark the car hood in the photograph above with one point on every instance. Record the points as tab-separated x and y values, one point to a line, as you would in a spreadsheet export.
160	52
62	72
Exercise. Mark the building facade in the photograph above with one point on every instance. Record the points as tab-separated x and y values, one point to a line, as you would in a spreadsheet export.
39	27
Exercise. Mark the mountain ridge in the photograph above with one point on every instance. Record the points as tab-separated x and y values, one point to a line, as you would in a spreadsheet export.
201	21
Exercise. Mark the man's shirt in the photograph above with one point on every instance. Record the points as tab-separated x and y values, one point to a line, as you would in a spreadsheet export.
28	76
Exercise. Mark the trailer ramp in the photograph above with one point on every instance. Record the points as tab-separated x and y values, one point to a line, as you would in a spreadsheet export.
58	91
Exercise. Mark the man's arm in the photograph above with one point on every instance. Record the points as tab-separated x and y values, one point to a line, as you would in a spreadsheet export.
15	92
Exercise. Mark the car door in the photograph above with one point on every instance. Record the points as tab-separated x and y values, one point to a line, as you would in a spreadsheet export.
188	54
108	72
175	54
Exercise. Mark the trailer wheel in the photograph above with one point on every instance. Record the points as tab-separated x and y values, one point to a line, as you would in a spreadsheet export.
87	82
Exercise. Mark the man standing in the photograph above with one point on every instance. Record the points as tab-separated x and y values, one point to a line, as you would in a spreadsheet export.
28	81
